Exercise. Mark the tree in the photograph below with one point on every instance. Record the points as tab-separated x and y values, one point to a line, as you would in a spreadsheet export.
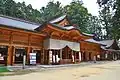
114	6
116	20
78	14
106	19
2	7
106	13
94	27
7	7
51	10
19	10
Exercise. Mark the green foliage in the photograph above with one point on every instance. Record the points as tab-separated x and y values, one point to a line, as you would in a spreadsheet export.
75	11
3	69
19	10
105	18
77	14
110	18
116	21
51	10
94	26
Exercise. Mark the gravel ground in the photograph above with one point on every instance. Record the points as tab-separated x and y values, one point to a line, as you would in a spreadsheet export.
86	71
111	72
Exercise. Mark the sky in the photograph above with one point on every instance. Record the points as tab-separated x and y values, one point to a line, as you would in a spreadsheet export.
89	4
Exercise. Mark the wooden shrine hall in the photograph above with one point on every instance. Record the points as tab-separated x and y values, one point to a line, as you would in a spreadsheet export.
111	51
54	42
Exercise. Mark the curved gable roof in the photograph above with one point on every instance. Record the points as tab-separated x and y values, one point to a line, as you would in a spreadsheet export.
108	43
94	41
58	19
67	28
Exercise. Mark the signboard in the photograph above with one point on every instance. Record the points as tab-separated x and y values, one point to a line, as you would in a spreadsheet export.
33	58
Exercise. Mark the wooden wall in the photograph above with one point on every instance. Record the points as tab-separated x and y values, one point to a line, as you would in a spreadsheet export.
89	47
19	38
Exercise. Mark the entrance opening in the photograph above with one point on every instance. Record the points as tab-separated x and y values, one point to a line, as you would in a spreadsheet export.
66	53
38	56
3	55
84	56
55	56
77	55
19	52
90	56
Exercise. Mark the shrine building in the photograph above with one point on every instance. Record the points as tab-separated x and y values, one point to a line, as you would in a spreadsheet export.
55	42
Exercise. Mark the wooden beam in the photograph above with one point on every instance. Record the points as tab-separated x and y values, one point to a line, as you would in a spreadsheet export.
35	33
28	53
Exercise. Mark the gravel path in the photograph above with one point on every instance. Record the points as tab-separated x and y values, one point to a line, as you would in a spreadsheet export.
111	72
106	71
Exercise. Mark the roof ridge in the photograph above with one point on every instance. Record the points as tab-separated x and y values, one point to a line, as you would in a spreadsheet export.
87	34
18	19
108	40
52	20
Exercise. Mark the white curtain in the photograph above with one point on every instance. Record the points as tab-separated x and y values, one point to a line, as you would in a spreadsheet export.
80	56
73	59
53	58
59	44
57	58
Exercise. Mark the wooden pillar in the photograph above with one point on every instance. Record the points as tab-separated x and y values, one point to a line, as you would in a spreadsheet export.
75	56
45	56
55	56
60	56
9	57
50	54
46	59
28	53
13	56
42	56
28	48
10	50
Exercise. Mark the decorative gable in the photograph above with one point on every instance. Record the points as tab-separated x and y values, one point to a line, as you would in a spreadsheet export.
61	21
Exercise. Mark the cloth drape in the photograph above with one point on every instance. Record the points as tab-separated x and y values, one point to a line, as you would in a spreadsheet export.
59	44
